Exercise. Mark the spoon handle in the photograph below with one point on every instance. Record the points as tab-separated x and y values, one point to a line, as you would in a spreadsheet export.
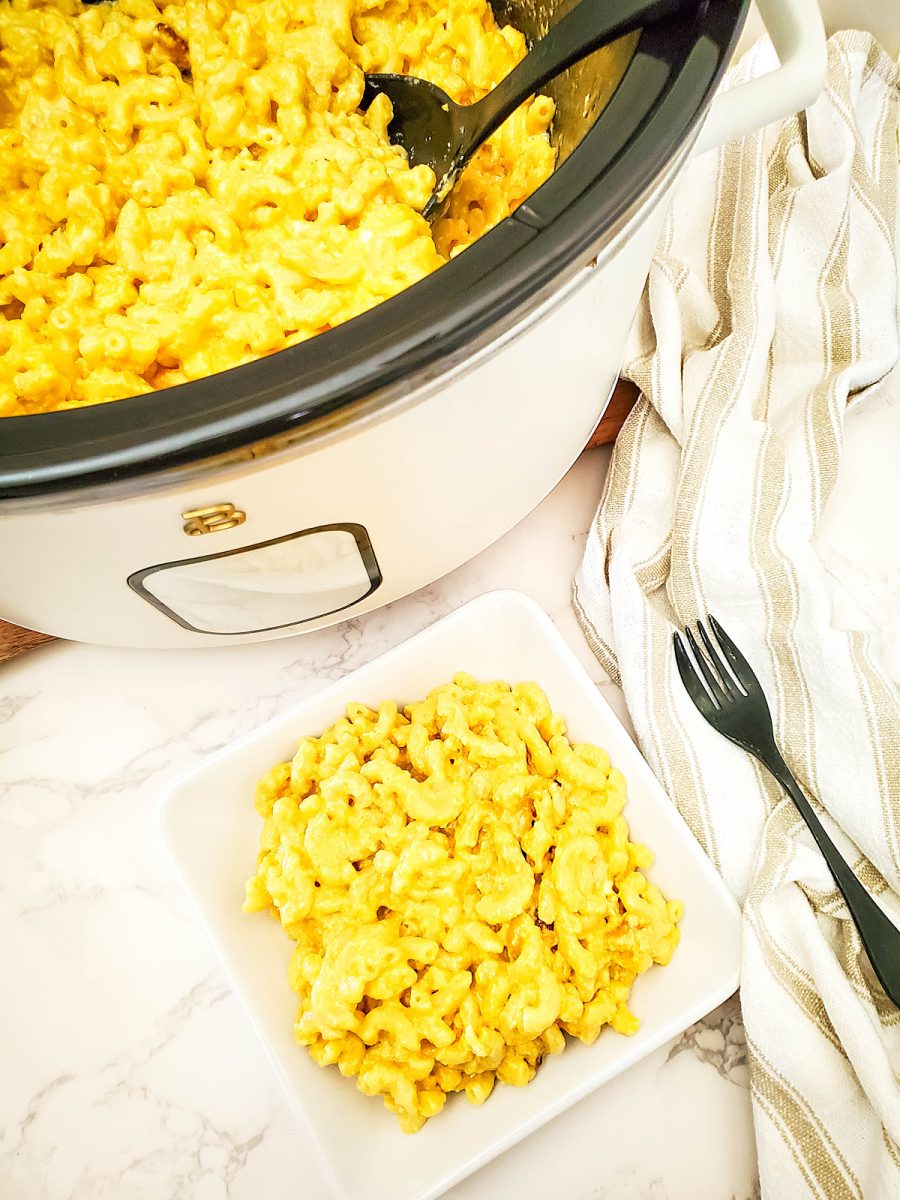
588	26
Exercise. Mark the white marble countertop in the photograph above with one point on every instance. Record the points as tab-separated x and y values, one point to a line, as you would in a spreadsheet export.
131	1072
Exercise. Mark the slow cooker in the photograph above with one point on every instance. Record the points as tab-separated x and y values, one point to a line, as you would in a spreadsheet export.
332	477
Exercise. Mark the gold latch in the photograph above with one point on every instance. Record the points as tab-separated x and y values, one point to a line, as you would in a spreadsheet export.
213	519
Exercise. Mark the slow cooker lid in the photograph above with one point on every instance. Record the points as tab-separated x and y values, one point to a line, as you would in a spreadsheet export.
657	106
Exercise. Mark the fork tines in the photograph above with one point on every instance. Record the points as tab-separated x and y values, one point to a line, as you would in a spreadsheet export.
724	671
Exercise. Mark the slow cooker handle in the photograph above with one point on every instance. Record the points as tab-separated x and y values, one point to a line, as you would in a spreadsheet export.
798	35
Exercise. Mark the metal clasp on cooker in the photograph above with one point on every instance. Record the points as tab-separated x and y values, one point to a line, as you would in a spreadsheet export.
212	519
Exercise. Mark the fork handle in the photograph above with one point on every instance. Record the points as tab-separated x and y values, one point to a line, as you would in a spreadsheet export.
879	934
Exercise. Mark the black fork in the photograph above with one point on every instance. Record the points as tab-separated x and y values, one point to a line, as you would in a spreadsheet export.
732	701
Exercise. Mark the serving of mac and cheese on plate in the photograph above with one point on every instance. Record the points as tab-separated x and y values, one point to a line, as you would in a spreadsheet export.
459	882
188	185
322	983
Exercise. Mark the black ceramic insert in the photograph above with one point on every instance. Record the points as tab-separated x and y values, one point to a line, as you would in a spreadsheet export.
656	108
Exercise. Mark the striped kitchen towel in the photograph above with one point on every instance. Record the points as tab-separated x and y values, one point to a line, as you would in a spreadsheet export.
772	306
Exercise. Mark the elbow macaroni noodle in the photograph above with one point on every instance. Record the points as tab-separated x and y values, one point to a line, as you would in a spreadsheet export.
461	890
189	185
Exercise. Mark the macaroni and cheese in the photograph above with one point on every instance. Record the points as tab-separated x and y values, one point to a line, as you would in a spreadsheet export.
189	184
460	886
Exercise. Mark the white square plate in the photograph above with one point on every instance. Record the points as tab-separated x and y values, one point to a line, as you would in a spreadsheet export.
212	831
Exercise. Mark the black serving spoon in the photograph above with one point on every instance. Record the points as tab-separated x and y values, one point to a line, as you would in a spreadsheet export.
438	133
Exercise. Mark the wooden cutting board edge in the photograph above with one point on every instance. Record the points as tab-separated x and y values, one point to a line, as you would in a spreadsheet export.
14	640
